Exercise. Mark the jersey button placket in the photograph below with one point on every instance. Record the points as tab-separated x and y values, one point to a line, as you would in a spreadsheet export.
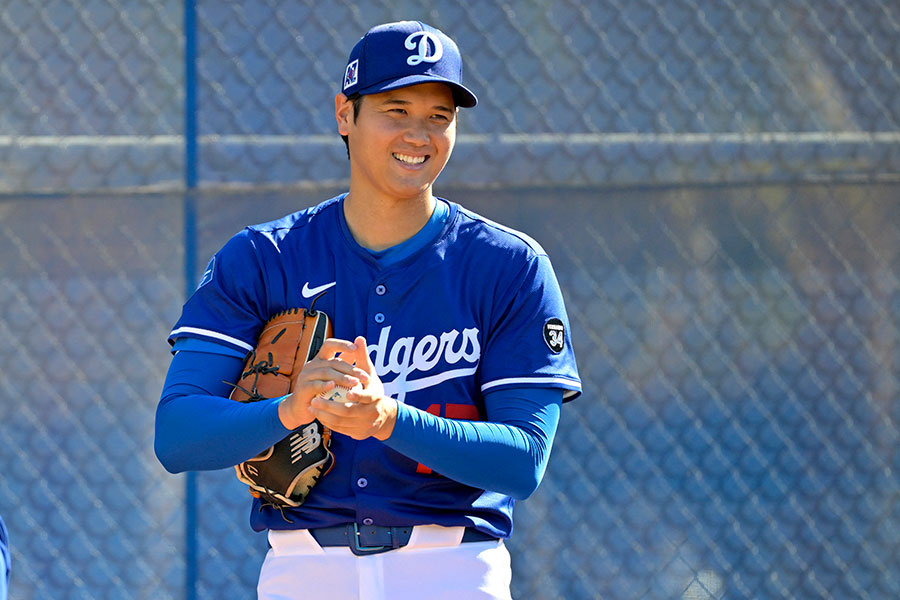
380	290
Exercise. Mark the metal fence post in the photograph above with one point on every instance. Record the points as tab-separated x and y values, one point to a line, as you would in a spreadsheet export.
190	259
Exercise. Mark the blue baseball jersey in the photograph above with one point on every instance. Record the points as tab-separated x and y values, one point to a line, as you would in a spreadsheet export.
476	309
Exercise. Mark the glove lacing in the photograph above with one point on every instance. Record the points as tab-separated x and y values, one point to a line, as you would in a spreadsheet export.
257	368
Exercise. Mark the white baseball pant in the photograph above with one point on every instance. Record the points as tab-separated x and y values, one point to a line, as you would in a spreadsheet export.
433	566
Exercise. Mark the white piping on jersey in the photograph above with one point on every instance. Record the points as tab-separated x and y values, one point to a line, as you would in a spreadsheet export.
530	381
212	334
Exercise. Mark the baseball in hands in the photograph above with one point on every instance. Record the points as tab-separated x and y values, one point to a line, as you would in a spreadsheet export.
339	394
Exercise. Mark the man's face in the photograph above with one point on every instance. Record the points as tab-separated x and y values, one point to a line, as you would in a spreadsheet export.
401	139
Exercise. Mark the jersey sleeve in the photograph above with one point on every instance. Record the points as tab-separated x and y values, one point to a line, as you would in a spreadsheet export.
229	303
506	454
530	342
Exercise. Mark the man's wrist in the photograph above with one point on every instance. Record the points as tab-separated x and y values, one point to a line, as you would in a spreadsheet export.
392	408
285	414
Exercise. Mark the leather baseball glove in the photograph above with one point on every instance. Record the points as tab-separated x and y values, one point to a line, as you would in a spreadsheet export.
283	475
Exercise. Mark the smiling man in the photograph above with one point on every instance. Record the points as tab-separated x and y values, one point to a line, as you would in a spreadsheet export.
449	329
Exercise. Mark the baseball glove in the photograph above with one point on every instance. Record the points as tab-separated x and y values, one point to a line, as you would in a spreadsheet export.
283	475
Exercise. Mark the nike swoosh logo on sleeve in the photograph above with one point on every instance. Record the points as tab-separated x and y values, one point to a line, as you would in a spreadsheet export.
309	292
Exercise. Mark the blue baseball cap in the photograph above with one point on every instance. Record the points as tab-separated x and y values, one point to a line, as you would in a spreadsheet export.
397	55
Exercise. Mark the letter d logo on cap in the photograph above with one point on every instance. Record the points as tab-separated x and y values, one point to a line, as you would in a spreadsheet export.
422	48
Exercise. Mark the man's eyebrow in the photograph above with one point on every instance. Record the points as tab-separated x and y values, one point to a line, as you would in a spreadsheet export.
402	102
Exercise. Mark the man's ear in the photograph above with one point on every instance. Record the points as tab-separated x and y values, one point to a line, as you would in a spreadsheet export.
343	113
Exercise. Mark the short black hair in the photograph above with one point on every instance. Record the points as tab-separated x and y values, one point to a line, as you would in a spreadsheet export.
357	103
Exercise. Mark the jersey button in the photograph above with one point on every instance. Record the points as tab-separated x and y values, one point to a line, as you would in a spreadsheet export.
368	521
380	290
379	317
362	482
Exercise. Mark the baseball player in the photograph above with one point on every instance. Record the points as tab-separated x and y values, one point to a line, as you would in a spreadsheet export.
449	328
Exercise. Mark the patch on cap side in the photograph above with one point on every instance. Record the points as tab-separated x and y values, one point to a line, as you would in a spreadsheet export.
351	75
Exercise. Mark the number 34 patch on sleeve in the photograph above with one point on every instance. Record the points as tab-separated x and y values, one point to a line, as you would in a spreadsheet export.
555	334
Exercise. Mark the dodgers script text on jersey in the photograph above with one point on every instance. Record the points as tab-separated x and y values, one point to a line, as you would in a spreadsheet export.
481	311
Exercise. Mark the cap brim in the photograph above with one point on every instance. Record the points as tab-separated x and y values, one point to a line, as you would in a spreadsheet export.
461	95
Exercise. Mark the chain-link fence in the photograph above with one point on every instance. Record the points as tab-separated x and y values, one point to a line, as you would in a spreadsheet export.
716	183
585	93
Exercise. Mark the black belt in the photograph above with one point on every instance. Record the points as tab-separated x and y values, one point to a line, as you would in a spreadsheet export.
373	539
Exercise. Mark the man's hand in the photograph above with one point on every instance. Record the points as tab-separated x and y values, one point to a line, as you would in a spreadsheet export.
367	412
328	369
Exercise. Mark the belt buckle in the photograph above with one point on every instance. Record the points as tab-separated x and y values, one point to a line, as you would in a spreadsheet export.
358	550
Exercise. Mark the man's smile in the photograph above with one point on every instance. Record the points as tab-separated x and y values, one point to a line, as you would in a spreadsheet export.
410	160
